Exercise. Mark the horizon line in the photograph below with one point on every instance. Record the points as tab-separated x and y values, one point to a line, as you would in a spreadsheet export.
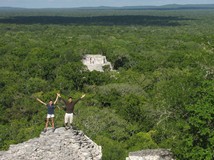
175	4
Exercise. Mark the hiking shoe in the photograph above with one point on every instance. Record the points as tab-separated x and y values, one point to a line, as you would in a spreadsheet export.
45	130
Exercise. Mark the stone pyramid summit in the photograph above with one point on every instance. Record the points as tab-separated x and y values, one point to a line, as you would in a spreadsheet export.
58	145
96	62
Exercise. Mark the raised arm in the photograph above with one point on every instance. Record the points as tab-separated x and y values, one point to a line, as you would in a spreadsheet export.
61	98
57	96
80	98
41	101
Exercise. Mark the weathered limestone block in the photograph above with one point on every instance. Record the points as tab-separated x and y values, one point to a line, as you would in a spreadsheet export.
151	154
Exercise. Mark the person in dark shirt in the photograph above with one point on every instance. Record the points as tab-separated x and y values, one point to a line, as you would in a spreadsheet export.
69	109
50	110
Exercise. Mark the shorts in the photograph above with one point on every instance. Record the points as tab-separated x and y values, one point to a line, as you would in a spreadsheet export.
50	115
68	117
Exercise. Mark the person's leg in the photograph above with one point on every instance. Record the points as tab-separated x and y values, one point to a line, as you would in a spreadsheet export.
71	119
52	122
66	120
46	124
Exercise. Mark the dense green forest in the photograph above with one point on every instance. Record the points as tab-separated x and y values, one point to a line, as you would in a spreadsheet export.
161	94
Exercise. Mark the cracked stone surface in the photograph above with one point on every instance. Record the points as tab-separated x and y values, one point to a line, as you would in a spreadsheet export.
58	145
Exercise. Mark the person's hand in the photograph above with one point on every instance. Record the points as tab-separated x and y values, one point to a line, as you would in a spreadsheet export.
83	96
58	95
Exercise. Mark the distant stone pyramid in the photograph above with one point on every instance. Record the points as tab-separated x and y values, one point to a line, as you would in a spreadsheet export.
151	154
96	62
58	145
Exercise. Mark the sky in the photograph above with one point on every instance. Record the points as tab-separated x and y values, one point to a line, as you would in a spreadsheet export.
94	3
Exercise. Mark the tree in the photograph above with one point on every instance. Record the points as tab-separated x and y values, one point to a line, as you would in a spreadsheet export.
198	139
141	141
111	149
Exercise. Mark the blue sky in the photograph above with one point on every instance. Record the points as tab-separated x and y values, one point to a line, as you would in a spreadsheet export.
90	3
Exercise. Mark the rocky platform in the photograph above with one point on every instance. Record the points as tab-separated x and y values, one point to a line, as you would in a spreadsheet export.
58	145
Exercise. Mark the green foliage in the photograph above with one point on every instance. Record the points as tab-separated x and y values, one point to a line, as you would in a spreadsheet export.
3	136
161	94
35	85
111	149
102	122
198	135
141	141
18	131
